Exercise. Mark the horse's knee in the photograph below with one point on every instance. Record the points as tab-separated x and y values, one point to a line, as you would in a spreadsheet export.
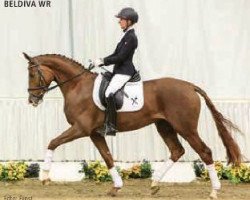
52	145
176	154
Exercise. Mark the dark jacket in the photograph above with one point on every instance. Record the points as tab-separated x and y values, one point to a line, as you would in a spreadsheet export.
123	55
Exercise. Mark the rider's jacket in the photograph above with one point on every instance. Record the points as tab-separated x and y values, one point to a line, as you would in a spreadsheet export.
123	54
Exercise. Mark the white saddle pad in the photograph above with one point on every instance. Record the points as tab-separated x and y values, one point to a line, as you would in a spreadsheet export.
133	102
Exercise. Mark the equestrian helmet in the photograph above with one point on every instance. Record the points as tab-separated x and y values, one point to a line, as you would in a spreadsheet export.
128	14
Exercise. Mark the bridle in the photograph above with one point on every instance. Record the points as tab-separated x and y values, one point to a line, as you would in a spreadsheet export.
43	85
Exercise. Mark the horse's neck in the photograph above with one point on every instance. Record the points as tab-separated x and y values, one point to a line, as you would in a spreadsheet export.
64	71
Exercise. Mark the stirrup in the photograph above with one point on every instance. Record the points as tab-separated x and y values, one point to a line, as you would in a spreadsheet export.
101	131
110	129
107	129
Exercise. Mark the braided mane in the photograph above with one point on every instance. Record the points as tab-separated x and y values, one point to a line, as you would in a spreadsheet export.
71	60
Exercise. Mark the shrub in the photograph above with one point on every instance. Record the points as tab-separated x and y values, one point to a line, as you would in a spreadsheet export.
146	169
32	170
135	171
198	168
235	174
98	172
95	171
142	170
13	171
238	174
125	173
1	171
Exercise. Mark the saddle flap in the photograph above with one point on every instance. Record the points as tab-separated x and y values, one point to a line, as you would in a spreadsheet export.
119	95
129	99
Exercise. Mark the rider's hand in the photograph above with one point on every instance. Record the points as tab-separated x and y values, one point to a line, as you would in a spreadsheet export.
98	62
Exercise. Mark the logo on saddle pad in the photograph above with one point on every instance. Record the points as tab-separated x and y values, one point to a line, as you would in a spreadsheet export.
128	99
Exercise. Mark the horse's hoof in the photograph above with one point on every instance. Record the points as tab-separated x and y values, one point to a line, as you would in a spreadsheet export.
213	194
46	181
155	189
113	192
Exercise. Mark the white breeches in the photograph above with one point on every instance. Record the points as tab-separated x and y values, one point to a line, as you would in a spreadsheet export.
116	83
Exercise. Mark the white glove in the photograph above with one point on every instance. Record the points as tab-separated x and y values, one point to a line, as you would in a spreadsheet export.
98	62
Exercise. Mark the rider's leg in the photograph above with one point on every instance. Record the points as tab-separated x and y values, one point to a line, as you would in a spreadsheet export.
110	116
116	83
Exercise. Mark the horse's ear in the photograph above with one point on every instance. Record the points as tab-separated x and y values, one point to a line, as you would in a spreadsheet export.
27	57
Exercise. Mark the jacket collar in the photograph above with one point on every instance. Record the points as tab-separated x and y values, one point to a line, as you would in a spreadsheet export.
128	29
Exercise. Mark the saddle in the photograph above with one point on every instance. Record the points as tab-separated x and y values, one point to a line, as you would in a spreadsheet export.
119	95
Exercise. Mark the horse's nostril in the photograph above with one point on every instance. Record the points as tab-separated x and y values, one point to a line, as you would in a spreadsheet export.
29	101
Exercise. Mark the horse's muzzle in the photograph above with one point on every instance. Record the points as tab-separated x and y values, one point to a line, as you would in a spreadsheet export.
34	100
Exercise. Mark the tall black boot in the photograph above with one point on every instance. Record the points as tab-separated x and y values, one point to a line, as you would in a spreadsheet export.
110	116
109	127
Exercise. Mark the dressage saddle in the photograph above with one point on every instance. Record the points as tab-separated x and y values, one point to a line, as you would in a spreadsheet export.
119	95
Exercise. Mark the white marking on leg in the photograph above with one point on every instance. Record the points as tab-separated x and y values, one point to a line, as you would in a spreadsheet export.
216	185
160	173
116	178
48	160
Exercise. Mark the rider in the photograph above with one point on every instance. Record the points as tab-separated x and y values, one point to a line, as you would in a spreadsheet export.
123	69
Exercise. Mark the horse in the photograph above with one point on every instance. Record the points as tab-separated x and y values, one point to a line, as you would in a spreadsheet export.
173	105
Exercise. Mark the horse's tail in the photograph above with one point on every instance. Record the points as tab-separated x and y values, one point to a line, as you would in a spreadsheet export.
223	126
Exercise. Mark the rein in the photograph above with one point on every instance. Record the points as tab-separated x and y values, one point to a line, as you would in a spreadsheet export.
45	88
62	83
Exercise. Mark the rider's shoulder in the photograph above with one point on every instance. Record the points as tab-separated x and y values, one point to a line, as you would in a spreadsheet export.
131	35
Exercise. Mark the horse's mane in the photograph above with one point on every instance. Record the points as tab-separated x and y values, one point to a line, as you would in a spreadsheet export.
71	60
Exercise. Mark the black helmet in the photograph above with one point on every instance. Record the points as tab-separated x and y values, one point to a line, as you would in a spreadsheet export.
128	14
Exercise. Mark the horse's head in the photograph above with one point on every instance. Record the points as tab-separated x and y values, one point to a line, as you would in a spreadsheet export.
40	77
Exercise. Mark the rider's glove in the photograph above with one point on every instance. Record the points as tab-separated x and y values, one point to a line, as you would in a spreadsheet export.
98	62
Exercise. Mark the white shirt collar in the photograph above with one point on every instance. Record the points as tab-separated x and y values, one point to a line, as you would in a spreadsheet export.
129	28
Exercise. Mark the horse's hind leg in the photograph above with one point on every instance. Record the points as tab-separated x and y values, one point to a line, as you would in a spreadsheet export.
169	136
103	148
206	155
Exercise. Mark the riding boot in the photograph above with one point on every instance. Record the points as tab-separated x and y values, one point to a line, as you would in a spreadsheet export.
110	116
109	127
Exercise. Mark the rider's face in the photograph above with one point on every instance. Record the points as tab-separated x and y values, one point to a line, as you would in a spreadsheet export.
123	23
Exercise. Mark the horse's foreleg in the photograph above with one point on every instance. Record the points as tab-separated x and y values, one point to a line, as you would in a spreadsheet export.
103	148
71	134
171	140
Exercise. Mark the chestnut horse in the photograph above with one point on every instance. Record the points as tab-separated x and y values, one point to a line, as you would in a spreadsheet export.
172	105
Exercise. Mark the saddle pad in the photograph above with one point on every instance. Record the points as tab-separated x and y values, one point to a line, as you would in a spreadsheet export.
133	102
